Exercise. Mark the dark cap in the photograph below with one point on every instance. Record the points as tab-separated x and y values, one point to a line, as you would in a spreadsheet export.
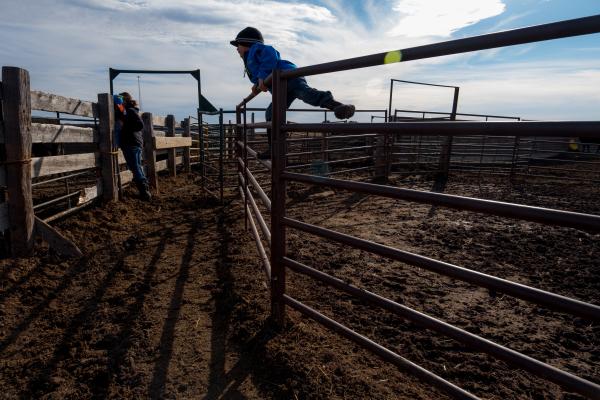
247	37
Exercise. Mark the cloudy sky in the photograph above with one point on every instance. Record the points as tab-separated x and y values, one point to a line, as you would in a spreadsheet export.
68	46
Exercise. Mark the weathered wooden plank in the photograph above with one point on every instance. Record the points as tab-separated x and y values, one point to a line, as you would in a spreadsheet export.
171	142
126	177
149	152
43	166
46	133
58	242
55	103
90	193
162	165
159	120
3	217
16	111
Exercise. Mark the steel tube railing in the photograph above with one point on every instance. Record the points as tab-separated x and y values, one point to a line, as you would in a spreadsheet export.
541	297
344	149
60	178
513	357
56	200
259	217
259	246
346	160
261	193
530	213
556	30
380	351
456	128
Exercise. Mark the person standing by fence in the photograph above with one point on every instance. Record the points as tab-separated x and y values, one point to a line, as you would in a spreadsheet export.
129	137
260	60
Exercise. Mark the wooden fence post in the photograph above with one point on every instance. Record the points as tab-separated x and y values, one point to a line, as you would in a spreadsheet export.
149	152
17	141
106	123
186	150
171	153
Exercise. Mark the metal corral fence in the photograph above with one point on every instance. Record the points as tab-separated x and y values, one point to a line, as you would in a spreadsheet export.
554	158
54	165
274	238
214	154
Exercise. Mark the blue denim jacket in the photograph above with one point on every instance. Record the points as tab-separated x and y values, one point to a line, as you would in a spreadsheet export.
261	60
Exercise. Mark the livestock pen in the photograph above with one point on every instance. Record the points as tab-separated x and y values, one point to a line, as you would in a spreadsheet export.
274	243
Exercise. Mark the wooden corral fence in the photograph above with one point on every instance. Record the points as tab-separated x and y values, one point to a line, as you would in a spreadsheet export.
273	238
87	146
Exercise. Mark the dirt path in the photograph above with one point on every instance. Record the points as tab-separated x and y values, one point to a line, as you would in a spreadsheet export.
170	302
141	315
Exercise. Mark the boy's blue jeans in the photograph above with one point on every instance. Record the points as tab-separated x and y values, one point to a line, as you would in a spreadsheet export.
133	156
297	88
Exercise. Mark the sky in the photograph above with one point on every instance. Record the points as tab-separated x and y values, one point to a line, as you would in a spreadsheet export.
68	45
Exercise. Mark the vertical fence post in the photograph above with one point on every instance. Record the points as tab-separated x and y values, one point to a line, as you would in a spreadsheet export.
201	143
446	153
221	164
17	143
278	192
381	159
171	153
237	149
515	158
106	123
186	150
149	151
246	167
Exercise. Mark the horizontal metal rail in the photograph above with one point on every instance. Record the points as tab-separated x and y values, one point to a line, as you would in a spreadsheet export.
253	154
60	178
458	114
510	356
380	351
261	193
330	138
259	246
344	149
266	125
538	296
56	200
556	30
454	128
569	219
347	171
346	160
259	217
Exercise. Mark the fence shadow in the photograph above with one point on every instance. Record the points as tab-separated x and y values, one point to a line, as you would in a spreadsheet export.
161	367
116	344
253	362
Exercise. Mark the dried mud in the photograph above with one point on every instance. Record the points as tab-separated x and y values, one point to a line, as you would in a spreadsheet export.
170	301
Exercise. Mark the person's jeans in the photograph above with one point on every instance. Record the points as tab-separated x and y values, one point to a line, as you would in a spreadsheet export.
133	156
297	88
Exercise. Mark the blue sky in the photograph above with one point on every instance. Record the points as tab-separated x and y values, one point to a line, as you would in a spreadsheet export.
68	45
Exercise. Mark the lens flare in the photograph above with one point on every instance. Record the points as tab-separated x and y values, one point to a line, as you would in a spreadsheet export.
392	57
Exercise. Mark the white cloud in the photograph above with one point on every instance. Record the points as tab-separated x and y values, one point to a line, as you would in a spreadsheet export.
441	18
72	58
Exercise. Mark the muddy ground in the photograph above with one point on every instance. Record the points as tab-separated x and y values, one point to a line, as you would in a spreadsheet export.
170	301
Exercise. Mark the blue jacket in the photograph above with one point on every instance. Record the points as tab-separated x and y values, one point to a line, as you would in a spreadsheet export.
261	60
